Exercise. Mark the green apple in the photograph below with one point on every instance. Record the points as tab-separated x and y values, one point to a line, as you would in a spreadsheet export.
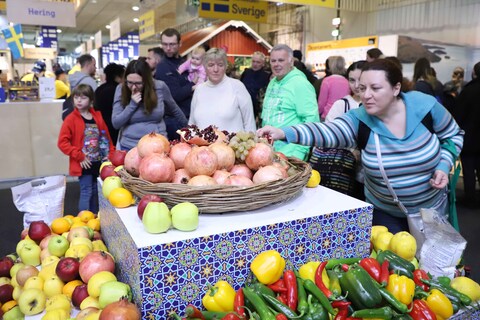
52	286
14	314
17	291
21	244
34	283
156	217
32	301
78	232
96	281
90	232
5	280
89	302
185	216
109	184
30	254
58	245
15	268
113	291
58	301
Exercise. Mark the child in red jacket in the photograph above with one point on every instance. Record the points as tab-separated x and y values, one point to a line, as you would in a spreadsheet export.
79	139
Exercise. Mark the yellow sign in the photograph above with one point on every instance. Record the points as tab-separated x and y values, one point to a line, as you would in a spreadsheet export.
3	5
256	11
146	25
344	43
40	53
321	3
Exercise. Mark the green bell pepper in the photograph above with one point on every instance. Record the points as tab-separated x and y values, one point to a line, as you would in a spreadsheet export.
361	288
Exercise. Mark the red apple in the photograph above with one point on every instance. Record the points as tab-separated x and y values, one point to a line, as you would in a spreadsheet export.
67	269
38	230
108	171
44	243
24	233
94	262
144	201
79	294
6	263
118	157
6	291
24	273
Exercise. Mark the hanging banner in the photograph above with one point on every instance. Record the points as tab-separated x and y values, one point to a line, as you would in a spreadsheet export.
40	53
115	32
48	37
146	25
256	11
14	38
320	3
98	39
45	13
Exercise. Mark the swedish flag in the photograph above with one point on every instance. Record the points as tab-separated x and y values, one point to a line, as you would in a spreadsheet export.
14	38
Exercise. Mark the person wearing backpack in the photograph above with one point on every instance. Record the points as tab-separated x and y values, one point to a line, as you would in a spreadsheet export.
406	164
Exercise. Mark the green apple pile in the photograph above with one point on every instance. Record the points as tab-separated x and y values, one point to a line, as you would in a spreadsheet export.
60	271
157	218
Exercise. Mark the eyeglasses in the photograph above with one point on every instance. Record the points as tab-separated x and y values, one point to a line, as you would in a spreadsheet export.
133	83
173	44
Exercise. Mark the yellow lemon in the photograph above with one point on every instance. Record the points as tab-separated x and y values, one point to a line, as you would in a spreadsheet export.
77	224
466	286
60	225
121	198
382	241
70	286
376	230
314	179
94	224
404	245
86	215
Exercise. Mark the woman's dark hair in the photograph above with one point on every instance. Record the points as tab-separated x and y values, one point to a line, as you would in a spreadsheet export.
392	71
374	53
149	96
84	90
355	66
422	69
396	61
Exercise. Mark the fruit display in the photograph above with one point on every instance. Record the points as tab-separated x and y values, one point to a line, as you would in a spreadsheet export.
64	272
348	288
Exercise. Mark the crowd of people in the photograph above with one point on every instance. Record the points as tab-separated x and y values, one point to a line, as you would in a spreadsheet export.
397	128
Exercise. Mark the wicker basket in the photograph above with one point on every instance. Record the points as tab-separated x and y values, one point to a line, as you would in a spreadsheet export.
222	199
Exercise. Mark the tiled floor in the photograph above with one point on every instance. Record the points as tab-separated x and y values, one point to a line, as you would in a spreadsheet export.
11	223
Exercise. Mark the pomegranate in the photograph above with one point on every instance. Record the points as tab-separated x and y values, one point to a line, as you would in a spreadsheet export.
178	152
201	160
266	174
202	137
242	170
153	143
181	176
120	310
132	162
118	157
157	168
220	176
259	156
225	155
94	262
283	167
236	180
202	181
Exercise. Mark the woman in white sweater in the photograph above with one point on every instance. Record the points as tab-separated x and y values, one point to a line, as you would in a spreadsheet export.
221	101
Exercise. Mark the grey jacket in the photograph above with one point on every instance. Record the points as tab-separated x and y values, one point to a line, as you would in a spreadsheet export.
134	123
81	77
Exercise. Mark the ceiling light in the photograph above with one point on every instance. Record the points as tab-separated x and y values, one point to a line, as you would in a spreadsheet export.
135	8
336	21
335	33
59	30
107	26
92	37
135	20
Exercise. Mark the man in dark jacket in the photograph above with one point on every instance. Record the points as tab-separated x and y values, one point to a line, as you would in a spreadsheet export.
467	114
105	93
180	87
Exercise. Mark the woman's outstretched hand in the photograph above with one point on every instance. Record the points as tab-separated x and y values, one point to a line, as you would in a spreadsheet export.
439	179
272	132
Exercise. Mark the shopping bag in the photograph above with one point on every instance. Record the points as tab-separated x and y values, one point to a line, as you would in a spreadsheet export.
40	199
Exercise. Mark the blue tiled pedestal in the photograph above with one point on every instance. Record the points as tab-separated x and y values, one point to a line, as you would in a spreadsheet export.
170	270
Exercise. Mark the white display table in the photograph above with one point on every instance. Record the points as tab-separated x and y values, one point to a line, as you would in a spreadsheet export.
29	133
170	270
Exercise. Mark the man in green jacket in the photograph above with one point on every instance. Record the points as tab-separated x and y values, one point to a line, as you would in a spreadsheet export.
289	100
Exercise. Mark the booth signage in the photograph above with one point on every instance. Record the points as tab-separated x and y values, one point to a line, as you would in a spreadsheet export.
98	39
45	13
115	32
40	53
320	3
256	11
47	88
146	25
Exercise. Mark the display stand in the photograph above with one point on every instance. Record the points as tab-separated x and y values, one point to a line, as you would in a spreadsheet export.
170	270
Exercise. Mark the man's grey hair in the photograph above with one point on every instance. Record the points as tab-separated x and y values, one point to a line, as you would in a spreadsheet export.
284	47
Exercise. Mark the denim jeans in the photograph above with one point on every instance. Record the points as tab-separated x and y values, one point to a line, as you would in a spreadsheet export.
394	224
88	193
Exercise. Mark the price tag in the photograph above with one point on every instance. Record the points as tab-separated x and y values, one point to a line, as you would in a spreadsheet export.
47	88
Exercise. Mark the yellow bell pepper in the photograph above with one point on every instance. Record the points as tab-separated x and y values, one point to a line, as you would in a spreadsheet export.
268	266
220	297
402	287
440	304
308	270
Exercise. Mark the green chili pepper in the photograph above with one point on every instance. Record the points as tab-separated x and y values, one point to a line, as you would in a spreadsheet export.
449	291
214	315
311	287
302	305
260	289
379	313
334	283
316	310
258	303
335	262
280	307
397	264
405	316
390	298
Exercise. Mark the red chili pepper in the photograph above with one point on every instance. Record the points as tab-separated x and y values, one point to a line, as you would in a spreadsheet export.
192	312
342	314
292	291
385	273
239	303
345	267
339	304
421	311
281	316
278	286
232	316
282	298
319	280
372	266
418	275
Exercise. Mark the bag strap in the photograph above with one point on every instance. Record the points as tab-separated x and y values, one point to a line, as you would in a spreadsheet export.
384	175
347	105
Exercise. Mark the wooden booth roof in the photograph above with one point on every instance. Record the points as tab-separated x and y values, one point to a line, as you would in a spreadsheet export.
235	36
